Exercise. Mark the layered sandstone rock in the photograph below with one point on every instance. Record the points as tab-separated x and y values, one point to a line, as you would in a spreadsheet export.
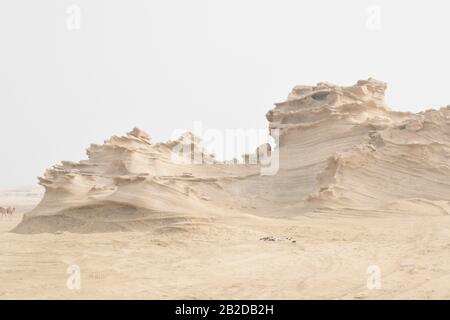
340	150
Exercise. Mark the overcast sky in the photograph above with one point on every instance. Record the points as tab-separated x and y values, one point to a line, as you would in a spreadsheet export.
67	81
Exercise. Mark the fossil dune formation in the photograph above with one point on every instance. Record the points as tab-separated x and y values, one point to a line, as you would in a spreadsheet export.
356	185
341	150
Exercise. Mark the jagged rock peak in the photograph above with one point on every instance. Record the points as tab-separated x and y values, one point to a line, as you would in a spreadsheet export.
140	134
325	93
307	104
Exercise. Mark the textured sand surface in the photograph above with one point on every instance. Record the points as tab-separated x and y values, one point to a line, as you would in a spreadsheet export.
329	260
357	185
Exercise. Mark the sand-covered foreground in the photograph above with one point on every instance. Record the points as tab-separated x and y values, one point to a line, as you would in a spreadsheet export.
329	260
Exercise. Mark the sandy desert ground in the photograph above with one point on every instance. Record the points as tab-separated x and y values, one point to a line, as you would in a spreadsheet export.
357	208
328	260
312	258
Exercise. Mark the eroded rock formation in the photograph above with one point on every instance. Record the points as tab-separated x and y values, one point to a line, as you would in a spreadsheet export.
341	150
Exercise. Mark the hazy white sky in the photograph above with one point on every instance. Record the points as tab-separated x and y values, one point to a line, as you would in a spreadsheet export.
163	64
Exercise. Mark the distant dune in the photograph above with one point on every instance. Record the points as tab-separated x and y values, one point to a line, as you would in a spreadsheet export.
340	150
23	199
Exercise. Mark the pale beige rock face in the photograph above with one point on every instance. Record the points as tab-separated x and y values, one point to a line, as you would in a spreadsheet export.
358	185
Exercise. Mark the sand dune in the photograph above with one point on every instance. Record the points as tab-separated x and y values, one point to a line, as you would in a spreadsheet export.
357	185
